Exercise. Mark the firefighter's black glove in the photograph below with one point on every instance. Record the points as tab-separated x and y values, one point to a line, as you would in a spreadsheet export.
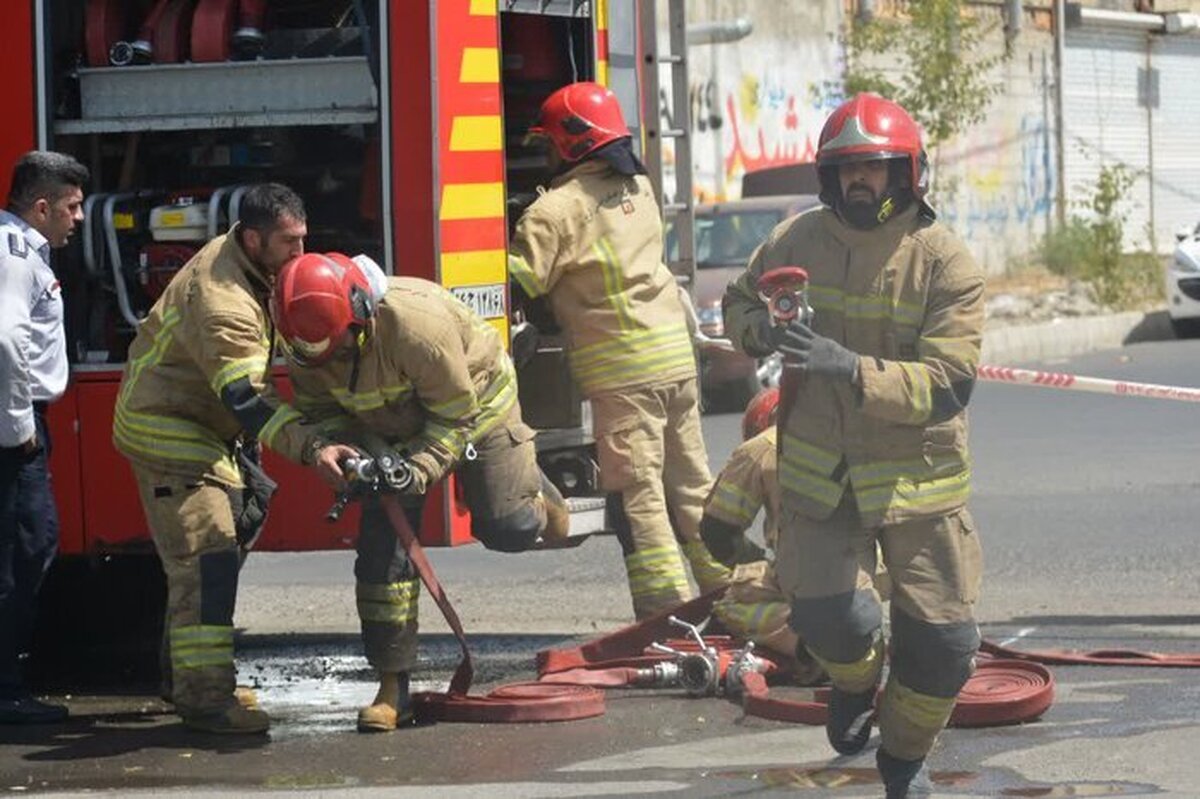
815	354
727	543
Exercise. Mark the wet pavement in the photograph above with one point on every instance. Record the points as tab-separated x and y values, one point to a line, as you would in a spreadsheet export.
1113	731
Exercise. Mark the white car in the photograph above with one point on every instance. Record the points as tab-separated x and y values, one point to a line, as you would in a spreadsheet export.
1183	284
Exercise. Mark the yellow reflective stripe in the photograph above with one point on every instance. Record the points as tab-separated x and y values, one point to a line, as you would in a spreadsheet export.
734	504
496	401
798	452
453	439
200	646
806	484
830	299
614	290
920	710
861	672
388	602
753	618
660	348
916	495
456	407
160	438
708	572
360	401
519	270
920	389
152	356
656	571
235	370
915	469
284	415
963	349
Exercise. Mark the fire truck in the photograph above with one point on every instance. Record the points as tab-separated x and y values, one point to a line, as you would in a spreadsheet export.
401	124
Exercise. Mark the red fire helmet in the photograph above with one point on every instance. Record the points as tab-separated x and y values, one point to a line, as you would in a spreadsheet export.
316	299
579	118
867	127
760	413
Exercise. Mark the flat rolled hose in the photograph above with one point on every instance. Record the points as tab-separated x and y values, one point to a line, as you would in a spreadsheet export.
515	702
1100	657
1003	692
999	692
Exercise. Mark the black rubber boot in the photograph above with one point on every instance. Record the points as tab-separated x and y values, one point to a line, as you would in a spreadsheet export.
903	779
849	724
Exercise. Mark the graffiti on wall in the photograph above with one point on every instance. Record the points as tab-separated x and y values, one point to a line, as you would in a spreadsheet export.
1000	177
763	121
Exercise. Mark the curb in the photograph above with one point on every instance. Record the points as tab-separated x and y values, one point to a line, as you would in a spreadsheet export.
1066	337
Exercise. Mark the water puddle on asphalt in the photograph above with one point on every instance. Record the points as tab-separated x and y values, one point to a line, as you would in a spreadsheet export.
834	777
1081	789
968	782
308	694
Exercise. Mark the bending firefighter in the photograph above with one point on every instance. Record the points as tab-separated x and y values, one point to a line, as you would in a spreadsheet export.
873	437
755	608
592	245
193	401
399	368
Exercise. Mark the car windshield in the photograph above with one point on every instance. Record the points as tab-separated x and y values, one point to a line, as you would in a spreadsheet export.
727	238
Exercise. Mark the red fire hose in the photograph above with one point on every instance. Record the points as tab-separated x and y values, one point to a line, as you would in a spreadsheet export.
507	703
1099	657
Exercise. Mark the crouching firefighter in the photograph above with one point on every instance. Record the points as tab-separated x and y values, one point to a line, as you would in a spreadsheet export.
194	398
400	369
873	442
755	607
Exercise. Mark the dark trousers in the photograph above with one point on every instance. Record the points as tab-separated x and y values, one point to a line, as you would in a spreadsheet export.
28	542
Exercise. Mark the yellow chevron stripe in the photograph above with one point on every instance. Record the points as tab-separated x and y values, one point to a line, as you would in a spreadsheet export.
476	134
480	65
483	8
474	267
472	201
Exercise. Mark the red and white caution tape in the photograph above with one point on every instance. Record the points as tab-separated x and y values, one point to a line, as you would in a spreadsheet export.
1099	385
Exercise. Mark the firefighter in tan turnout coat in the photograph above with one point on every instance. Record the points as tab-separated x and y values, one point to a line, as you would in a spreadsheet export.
592	244
873	446
194	398
400	367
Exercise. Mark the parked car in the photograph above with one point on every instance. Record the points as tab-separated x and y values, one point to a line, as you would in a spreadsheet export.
727	234
1183	284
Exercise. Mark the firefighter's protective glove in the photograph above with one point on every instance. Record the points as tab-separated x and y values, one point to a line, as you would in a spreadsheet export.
816	354
727	543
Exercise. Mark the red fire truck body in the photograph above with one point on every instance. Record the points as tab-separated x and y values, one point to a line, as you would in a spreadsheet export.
400	122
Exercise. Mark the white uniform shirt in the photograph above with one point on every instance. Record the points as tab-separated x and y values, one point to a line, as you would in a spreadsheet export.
33	344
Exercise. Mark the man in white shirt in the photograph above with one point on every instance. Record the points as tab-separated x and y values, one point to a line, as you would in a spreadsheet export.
44	205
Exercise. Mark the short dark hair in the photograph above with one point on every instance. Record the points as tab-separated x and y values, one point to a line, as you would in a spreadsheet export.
265	204
44	174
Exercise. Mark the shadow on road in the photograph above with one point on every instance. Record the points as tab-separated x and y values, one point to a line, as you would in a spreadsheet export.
105	735
1155	326
1103	621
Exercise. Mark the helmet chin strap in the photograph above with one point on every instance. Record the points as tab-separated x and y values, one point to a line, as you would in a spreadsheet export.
867	216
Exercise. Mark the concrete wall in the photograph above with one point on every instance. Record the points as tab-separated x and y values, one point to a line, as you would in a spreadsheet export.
760	102
995	183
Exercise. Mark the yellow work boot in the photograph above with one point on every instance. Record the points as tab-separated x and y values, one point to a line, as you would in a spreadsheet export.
243	694
558	515
246	697
391	707
232	719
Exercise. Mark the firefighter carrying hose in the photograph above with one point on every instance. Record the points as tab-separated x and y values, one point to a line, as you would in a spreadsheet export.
755	608
873	446
592	245
194	399
400	369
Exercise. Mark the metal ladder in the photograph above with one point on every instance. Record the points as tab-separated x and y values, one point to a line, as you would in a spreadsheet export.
680	209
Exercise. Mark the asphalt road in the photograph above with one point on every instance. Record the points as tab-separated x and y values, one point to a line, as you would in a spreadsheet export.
1087	507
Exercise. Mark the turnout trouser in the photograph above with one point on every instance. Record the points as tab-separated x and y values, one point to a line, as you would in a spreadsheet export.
193	525
651	452
935	569
501	487
28	542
